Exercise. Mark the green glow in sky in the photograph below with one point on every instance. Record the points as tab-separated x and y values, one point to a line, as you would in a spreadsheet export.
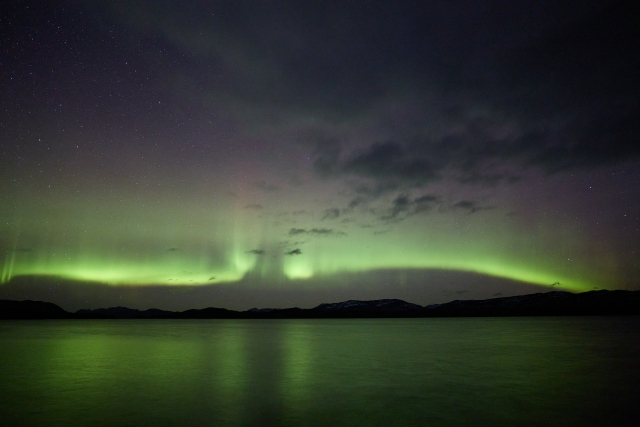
170	253
201	146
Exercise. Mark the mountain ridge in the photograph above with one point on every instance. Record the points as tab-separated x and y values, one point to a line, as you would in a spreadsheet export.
555	303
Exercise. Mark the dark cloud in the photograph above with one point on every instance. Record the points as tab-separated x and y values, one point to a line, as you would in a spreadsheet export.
475	155
355	202
331	213
296	231
591	58
565	75
254	206
367	192
335	58
316	231
256	251
404	206
429	198
391	160
488	179
470	206
320	231
264	186
400	205
294	252
424	203
326	231
373	191
578	85
558	91
327	154
567	98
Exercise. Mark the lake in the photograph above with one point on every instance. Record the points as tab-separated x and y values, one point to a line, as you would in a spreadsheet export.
536	371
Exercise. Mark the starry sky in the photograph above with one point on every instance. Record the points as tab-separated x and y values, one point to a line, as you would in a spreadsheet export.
238	154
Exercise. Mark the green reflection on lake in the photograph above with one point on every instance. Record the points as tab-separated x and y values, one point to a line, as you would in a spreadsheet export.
438	372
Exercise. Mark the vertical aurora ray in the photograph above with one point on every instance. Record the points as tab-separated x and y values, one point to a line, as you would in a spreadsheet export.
7	266
251	247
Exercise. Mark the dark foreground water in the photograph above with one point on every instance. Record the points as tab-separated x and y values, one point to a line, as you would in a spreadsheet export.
579	371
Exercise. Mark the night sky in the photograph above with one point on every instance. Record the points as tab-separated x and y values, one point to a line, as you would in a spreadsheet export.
244	154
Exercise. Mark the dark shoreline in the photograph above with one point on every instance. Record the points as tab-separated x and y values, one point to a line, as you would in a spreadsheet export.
601	303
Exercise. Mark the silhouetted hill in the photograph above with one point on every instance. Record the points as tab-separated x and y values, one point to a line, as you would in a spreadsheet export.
375	305
541	304
544	304
209	313
32	310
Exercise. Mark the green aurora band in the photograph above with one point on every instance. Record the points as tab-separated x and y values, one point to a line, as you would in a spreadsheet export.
202	252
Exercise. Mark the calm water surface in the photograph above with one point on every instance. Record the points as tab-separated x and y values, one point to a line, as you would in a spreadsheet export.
579	371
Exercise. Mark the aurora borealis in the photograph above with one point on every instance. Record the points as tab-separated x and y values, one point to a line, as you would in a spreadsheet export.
236	154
